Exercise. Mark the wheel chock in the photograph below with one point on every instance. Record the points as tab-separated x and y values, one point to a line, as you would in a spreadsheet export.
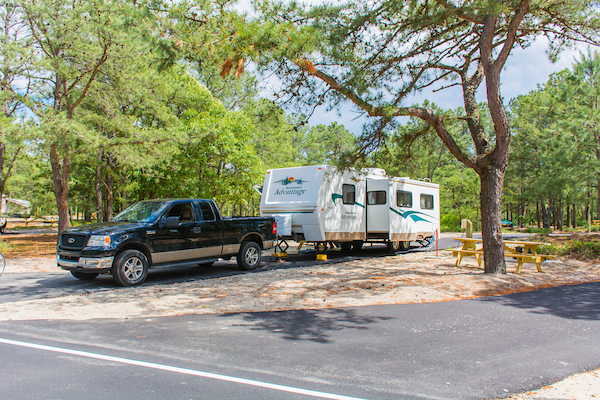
283	254
321	257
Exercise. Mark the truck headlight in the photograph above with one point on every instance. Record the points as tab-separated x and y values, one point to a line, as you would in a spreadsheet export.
99	241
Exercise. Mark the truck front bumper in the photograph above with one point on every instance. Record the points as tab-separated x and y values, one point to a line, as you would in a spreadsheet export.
85	264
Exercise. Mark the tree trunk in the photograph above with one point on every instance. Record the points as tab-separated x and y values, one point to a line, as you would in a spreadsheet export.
60	177
560	215
98	188
491	213
598	199
550	212
110	197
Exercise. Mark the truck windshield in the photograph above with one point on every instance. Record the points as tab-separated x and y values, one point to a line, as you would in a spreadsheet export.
144	211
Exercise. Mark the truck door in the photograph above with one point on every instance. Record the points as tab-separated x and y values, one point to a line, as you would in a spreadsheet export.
210	229
378	209
176	244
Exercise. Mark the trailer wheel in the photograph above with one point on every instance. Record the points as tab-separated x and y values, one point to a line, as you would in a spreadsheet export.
346	246
249	256
320	247
357	245
405	245
393	246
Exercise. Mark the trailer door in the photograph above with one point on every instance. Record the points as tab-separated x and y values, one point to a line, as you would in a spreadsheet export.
378	209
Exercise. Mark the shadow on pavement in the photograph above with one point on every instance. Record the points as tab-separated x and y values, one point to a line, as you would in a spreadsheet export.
308	325
579	302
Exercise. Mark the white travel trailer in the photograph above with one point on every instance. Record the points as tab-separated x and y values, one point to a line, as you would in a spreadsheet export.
321	204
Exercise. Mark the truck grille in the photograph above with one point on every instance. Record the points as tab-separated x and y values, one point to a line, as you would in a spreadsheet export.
69	258
72	241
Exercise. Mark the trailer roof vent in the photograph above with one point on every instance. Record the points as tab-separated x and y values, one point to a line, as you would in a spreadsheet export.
374	171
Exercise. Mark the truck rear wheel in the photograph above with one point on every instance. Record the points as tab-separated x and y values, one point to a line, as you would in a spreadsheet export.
249	256
130	268
84	276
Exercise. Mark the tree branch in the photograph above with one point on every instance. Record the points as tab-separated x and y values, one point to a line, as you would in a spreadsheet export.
389	112
511	34
460	13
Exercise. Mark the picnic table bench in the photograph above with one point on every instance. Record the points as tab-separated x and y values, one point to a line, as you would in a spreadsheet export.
528	254
469	248
523	251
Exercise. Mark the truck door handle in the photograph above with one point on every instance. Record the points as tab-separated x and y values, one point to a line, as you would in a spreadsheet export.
197	229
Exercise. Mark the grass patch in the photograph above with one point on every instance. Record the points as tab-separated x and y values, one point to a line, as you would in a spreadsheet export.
577	249
23	245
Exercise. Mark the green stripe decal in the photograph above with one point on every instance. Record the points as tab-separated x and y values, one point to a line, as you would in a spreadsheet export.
336	196
414	215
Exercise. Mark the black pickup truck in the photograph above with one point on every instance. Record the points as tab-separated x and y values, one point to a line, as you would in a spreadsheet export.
162	233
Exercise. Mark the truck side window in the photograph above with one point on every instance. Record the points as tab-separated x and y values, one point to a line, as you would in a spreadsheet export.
426	202
183	211
376	197
207	212
403	199
348	194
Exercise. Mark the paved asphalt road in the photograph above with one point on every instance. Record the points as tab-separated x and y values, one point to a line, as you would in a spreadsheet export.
480	348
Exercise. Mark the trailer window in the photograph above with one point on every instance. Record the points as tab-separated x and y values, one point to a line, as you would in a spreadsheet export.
403	199
427	202
376	197
348	194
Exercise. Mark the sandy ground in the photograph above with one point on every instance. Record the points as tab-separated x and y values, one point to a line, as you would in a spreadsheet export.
400	279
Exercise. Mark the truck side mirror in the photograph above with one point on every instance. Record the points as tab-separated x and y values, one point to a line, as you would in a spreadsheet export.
169	222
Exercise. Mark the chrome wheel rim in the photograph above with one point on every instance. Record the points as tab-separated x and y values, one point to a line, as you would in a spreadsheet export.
252	256
133	268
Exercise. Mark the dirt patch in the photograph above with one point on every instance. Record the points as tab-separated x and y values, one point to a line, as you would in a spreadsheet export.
407	278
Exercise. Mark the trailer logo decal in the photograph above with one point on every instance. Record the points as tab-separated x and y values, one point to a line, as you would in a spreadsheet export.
290	180
411	214
295	190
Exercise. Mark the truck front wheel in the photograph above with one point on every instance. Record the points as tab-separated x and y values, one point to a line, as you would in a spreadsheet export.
249	256
130	268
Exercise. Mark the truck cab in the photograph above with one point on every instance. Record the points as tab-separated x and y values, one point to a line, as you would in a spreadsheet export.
162	233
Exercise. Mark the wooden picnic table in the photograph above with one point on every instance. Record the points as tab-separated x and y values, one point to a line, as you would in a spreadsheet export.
512	248
469	248
528	253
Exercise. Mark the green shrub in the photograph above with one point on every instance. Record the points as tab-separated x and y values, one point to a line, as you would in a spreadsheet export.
450	223
575	248
5	247
540	231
